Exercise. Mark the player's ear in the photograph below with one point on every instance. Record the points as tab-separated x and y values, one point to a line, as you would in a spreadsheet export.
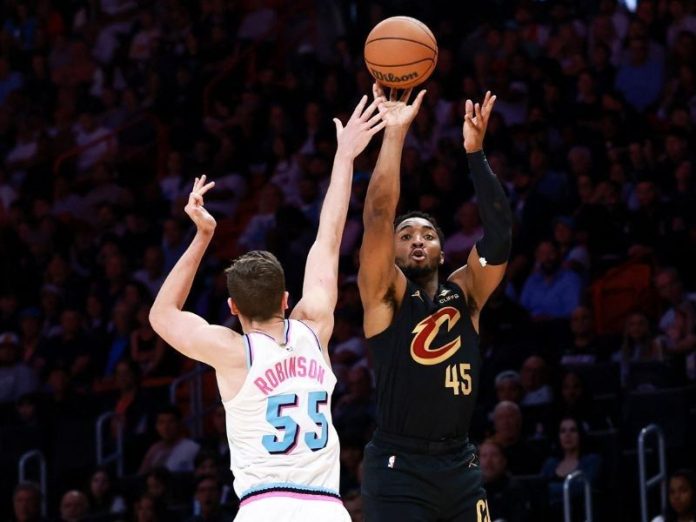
233	307
284	302
442	257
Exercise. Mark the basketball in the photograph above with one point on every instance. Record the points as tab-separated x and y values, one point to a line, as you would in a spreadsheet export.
400	52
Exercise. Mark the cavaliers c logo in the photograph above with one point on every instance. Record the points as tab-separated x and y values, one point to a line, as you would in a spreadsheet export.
425	332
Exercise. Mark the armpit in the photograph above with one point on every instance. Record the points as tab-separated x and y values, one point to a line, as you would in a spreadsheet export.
390	297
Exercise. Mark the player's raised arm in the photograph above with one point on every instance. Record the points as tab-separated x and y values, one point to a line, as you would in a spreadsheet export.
320	288
190	334
486	264
378	276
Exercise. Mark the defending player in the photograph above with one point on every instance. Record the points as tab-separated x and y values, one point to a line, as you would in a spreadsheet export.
423	335
276	380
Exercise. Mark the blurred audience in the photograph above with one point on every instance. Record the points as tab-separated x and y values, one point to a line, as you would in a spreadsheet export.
522	457
682	497
27	503
108	110
506	497
74	506
173	450
572	454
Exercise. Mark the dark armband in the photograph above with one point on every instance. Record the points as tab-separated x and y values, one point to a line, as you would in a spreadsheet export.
494	209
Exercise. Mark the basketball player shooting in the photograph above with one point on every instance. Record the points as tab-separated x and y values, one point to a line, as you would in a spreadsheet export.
423	335
275	381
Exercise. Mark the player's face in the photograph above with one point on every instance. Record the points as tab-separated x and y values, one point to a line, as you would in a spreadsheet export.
681	496
417	248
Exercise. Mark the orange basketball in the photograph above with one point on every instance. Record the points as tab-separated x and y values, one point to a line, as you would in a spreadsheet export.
400	52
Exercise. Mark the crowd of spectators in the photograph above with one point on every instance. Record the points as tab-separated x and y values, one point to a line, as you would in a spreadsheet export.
110	108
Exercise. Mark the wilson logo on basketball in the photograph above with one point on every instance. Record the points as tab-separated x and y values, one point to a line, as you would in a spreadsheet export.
426	331
389	77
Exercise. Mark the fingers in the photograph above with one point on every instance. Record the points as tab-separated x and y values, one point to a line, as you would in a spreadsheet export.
359	108
419	99
406	95
392	94
205	188
384	107
198	183
195	200
469	108
200	187
371	109
377	90
377	117
482	110
339	126
470	120
374	130
488	108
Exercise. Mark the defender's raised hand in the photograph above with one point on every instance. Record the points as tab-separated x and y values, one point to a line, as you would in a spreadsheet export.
362	125
397	112
194	208
476	122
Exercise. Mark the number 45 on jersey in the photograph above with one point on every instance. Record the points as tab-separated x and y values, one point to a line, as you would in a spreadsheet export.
457	377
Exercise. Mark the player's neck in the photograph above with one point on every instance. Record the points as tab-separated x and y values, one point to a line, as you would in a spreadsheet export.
274	327
429	284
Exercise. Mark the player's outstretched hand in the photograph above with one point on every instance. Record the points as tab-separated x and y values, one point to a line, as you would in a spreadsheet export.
476	122
204	222
357	133
396	112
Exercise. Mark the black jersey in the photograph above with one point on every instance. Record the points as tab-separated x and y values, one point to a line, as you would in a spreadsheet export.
427	366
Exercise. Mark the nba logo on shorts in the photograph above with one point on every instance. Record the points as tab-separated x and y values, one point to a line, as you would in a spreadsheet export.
392	459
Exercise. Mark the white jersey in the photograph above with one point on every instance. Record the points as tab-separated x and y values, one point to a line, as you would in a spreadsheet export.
282	440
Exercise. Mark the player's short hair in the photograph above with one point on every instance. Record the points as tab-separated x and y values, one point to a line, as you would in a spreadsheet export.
423	215
256	283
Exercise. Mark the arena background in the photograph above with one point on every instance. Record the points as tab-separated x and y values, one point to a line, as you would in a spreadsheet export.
110	108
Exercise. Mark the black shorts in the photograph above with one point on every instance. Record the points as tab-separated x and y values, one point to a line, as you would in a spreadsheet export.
407	483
